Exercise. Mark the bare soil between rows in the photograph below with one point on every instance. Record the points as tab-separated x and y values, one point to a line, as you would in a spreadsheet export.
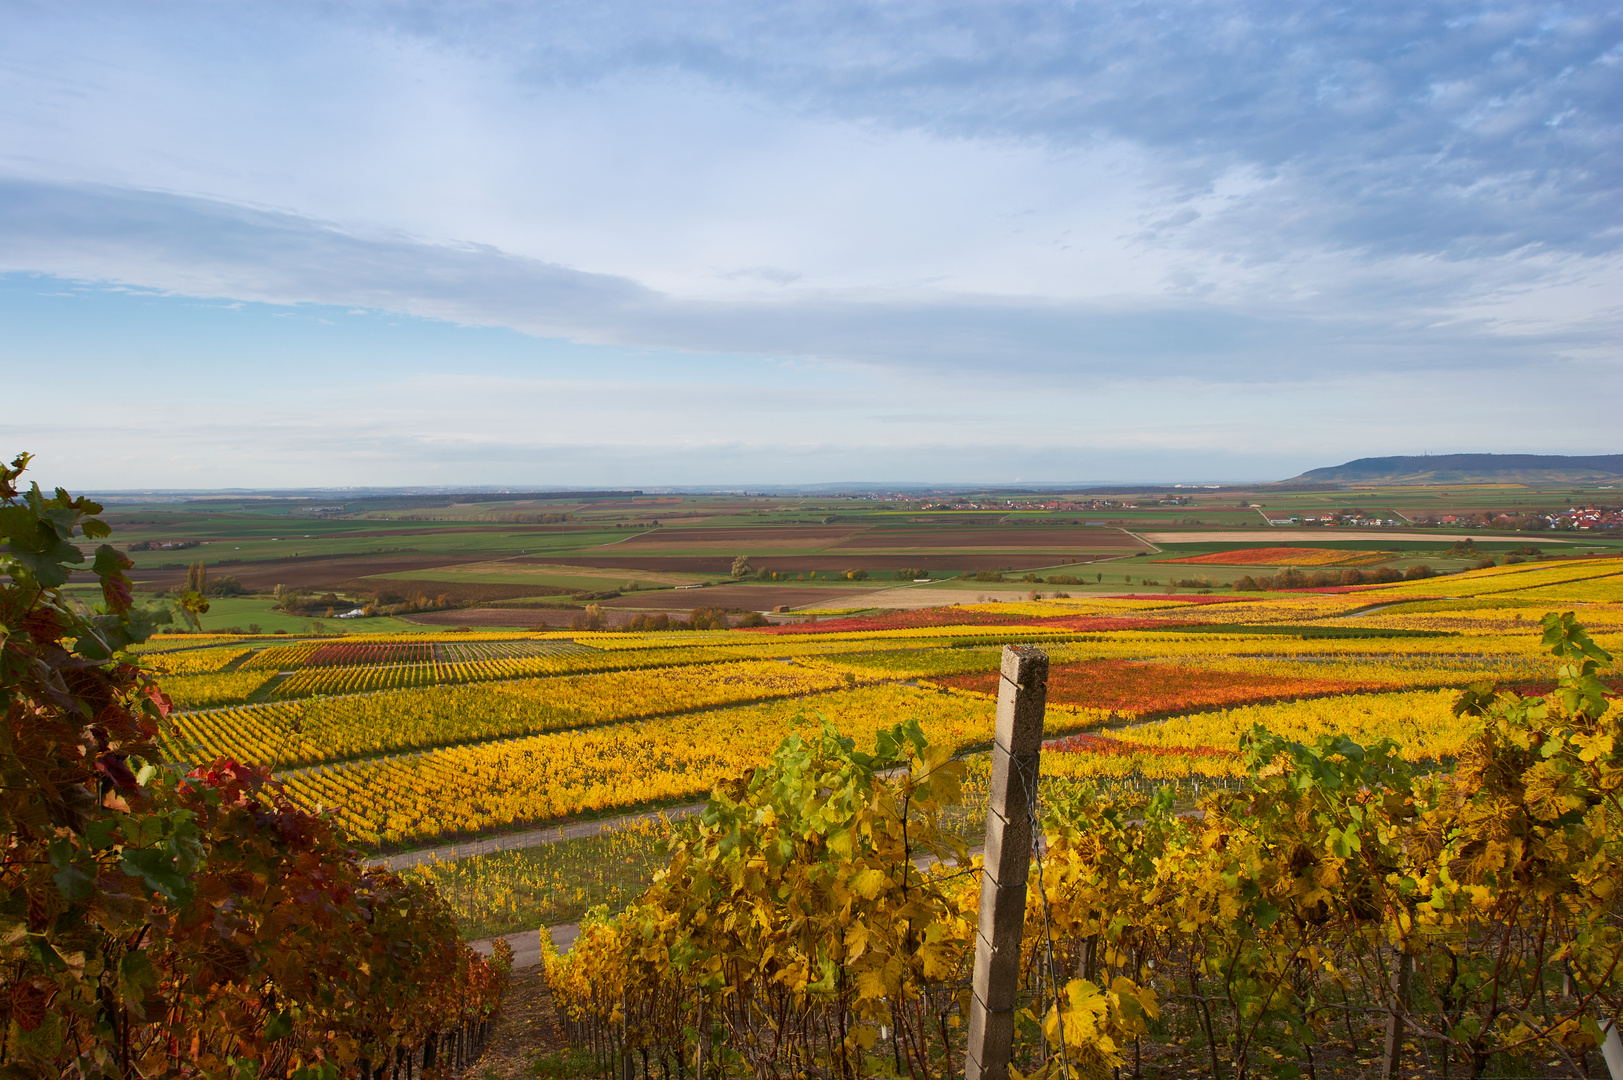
526	1026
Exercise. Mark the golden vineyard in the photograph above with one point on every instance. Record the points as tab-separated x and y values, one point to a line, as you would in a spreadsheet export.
1272	822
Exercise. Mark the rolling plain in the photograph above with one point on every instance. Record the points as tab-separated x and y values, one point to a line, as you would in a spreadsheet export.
542	775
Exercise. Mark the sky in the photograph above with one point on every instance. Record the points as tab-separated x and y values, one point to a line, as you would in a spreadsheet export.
642	243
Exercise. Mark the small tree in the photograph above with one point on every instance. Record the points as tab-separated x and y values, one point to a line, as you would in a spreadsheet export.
590	619
226	586
741	566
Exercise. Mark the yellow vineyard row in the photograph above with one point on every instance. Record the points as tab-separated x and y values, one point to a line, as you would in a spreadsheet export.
280	657
469	789
1421	721
191	661
213	690
332	729
208	691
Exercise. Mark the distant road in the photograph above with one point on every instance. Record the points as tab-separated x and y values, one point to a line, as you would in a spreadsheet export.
1283	536
551	834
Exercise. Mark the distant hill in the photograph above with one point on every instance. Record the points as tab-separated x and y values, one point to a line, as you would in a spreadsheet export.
1469	469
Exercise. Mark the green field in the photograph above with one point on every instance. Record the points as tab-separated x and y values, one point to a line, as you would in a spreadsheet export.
501	551
243	613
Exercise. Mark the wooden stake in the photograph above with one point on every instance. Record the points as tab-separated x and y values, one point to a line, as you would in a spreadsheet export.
1021	701
1392	1051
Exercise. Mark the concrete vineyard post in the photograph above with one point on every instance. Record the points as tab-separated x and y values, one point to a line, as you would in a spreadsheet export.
1021	700
1612	1050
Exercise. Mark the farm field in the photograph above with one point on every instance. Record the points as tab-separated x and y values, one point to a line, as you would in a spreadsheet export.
1281	556
522	571
521	562
427	736
1159	696
1330	829
1162	694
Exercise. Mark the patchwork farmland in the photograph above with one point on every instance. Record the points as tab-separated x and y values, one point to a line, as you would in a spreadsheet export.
1331	746
395	563
427	745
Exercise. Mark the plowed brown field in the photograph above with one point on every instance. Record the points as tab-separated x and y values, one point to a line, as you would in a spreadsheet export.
504	617
462	592
757	538
1009	539
315	572
748	597
794	564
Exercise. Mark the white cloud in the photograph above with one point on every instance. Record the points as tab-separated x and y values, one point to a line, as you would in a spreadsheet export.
205	248
1256	198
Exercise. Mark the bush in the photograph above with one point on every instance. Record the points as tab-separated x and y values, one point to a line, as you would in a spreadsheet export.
162	924
708	618
647	622
1247	584
988	575
226	586
1419	573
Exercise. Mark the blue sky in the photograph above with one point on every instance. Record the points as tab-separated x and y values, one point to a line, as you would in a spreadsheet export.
643	243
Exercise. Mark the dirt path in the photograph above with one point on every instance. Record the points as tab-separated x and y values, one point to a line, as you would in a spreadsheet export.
526	1026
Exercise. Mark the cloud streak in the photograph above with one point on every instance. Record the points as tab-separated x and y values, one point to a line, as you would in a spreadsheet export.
207	248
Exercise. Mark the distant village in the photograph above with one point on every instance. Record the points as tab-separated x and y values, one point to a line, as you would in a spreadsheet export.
1061	505
1604	518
